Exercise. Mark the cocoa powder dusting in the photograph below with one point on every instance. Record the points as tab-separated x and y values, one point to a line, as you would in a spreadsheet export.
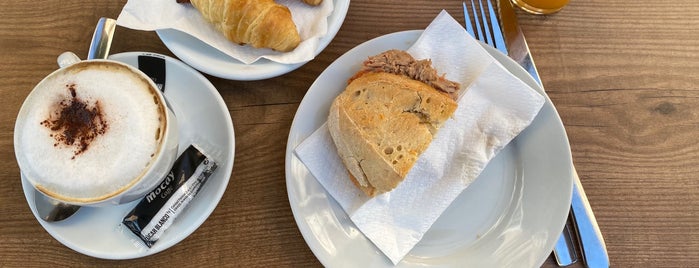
76	123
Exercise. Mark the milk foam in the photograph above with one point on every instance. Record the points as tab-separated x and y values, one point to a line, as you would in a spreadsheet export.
114	159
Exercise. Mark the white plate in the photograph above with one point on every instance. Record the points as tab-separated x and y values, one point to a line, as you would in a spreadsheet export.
201	112
511	216
214	62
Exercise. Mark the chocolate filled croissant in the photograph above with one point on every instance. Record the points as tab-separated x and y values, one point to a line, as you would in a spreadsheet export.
260	23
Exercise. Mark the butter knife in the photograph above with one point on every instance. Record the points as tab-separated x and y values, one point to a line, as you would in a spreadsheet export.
594	251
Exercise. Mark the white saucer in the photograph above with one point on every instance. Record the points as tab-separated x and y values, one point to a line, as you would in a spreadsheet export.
511	216
201	113
214	62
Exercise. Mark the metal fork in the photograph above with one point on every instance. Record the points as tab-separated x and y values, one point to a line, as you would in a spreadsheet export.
487	29
482	31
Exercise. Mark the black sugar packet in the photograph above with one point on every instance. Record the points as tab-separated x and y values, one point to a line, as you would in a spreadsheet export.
159	208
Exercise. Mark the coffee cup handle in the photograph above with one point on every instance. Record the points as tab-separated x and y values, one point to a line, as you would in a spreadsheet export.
67	58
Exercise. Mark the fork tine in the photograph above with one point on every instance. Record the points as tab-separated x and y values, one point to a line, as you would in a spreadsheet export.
497	31
477	21
488	38
467	21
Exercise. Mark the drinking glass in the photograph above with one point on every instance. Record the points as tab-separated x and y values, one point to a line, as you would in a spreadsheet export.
540	6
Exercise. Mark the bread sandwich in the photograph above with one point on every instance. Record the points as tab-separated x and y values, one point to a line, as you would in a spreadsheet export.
387	116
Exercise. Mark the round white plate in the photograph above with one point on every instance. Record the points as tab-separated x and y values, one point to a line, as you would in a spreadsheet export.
214	62
201	114
511	216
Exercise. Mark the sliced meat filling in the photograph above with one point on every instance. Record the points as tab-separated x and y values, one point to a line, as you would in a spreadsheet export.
400	62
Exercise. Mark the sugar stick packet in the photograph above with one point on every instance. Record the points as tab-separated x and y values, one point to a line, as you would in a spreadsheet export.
159	208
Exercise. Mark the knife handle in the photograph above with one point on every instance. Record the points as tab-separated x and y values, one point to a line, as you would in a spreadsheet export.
592	245
528	64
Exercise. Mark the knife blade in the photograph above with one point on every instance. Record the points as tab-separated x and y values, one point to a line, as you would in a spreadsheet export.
517	48
594	251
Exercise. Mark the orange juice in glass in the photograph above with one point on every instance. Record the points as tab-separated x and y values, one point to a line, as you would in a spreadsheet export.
540	6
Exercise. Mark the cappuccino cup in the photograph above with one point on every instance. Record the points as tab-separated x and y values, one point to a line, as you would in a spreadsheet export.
95	133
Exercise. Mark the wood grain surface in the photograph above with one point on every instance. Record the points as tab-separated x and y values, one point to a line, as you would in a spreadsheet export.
624	76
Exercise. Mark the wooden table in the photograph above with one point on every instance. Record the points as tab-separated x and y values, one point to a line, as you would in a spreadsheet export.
622	74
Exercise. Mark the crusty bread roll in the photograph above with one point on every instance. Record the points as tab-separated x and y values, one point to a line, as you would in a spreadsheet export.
381	123
260	23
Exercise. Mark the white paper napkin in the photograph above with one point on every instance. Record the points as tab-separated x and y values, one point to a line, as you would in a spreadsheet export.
149	15
495	107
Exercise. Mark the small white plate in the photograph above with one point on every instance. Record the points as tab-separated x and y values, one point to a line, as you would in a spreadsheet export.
201	113
214	62
511	216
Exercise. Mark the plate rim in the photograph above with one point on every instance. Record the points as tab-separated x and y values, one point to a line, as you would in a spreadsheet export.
259	70
292	143
54	229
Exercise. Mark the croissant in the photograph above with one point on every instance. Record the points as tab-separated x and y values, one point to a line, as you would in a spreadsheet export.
313	2
260	23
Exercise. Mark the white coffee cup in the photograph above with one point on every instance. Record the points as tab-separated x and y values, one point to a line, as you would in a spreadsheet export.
95	133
